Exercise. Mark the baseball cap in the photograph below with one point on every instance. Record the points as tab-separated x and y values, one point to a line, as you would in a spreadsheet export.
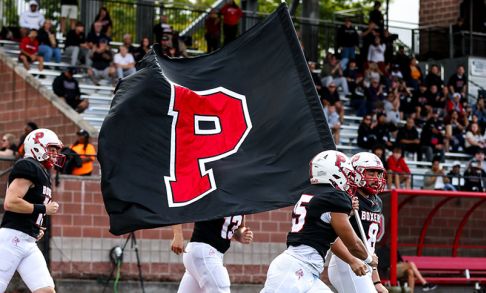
33	2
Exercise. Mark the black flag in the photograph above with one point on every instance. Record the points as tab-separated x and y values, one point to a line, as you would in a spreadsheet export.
227	133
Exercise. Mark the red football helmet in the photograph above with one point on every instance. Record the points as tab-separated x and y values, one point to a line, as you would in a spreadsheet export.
367	161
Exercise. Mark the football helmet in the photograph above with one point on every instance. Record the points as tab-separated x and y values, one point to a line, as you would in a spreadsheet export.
367	161
36	146
333	167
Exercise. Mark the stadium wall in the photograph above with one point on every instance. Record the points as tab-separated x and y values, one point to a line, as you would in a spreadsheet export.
438	12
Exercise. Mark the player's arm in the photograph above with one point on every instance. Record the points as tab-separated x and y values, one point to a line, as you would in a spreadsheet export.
375	277
177	244
15	202
340	224
340	250
243	234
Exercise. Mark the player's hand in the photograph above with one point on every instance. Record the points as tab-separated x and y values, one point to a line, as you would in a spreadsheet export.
51	208
244	235
380	288
374	261
177	244
359	267
355	203
41	233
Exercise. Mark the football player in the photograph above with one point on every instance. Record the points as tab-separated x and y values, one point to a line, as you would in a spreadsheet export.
203	255
343	267
27	201
318	218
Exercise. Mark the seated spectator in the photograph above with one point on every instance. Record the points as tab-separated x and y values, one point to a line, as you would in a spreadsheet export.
413	75
124	63
332	72
379	151
8	148
179	45
458	82
436	99
423	107
433	77
103	17
330	96
142	49
392	110
96	35
29	127
373	72
29	48
353	75
382	131
65	86
396	72
474	139
47	43
315	77
86	151
102	63
474	177
401	58
376	53
479	156
455	176
333	122
436	179
31	18
374	96
455	104
76	46
432	138
407	102
366	138
127	42
163	28
408	137
479	109
398	170
454	133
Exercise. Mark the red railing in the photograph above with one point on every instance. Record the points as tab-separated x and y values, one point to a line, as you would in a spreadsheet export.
395	207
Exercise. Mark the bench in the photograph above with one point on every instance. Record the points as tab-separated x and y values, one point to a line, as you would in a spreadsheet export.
451	270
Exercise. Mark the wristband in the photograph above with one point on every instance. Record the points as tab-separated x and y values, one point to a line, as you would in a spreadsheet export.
39	209
377	282
369	259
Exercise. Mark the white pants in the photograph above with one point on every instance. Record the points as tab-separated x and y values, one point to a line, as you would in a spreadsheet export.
346	281
205	271
19	251
290	275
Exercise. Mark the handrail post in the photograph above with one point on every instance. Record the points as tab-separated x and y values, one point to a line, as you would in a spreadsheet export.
393	236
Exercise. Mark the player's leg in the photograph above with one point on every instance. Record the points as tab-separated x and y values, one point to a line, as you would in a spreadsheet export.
10	256
189	284
34	272
344	280
319	287
287	274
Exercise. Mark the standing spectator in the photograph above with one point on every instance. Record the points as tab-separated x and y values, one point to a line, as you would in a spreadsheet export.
376	16
69	10
402	59
455	176
398	169
458	82
8	148
366	138
436	179
142	49
124	63
333	122
95	35
433	77
67	88
367	37
212	26
474	177
432	138
86	152
47	43
76	46
29	127
231	18
104	18
347	39
31	18
408	137
474	139
163	28
29	48
127	42
102	59
454	133
376	53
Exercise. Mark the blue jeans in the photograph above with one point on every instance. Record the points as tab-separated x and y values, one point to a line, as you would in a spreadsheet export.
48	52
346	54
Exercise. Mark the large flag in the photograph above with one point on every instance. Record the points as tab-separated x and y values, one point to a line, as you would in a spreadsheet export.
222	134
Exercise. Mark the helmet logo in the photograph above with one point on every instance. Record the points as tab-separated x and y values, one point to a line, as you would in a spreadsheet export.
38	136
340	159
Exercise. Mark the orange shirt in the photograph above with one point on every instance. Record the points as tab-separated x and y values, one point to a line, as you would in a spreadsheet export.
415	73
87	167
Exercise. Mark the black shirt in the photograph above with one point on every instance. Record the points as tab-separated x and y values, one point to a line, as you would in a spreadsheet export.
40	193
68	88
217	233
73	39
370	212
308	218
69	2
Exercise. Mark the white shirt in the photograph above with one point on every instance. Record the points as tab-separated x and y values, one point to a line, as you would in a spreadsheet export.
376	53
31	20
119	59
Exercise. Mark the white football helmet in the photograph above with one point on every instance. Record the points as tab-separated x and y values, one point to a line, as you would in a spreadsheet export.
36	146
333	167
368	161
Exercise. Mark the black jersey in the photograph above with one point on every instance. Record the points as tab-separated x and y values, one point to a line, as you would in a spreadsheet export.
217	233
40	193
370	213
311	217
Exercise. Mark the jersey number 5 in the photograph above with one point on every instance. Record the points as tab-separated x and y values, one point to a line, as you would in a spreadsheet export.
299	213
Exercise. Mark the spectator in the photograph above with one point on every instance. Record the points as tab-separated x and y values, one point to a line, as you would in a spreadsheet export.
458	82
423	107
29	127
376	53
479	156
127	42
433	77
367	37
374	96
179	45
474	177
393	115
31	19
379	151
474	139
315	77
29	48
69	9
104	18
95	35
432	138
413	74
231	18
347	39
382	131
8	148
479	110
76	46
333	122
66	87
163	28
142	49
454	105
398	169
408	137
332	72
47	43
407	103
396	72
86	151
212	34
366	138
402	59
124	63
454	133
436	179
455	176
373	72
353	76
376	17
388	39
435	98
102	63
330	96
